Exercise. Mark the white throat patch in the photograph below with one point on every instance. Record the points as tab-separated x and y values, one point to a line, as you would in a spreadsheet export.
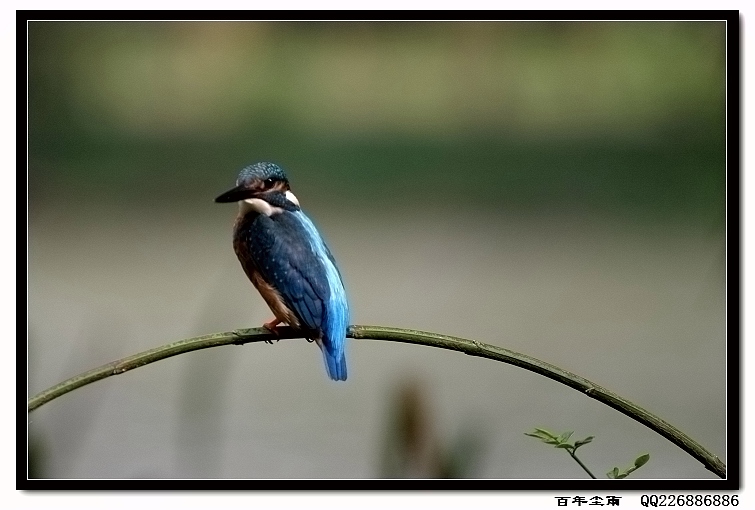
261	207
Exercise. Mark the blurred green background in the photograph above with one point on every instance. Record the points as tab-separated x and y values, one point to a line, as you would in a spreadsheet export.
550	187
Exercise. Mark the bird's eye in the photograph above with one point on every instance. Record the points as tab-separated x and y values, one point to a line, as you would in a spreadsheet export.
268	183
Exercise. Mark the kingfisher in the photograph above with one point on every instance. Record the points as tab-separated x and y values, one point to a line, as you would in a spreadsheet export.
288	262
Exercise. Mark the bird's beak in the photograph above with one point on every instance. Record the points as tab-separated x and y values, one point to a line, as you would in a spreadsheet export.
236	194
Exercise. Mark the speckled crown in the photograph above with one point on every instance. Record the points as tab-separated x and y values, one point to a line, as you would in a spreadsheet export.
262	170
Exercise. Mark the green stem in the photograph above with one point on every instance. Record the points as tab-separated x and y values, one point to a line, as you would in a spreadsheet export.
574	456
471	347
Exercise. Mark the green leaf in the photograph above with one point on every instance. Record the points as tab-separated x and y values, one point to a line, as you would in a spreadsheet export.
566	446
546	433
565	436
639	461
539	434
581	442
544	436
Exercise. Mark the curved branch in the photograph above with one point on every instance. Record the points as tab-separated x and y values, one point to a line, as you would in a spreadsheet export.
471	347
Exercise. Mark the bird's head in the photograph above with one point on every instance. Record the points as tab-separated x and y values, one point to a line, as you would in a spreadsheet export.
263	188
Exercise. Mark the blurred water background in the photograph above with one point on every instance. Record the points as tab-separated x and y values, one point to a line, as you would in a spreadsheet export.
553	188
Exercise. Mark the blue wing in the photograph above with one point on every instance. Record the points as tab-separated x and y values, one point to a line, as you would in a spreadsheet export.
290	255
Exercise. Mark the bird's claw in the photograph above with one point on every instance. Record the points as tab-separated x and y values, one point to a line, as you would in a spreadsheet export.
272	327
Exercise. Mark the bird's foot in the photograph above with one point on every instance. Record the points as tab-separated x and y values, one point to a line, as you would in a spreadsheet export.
271	326
310	335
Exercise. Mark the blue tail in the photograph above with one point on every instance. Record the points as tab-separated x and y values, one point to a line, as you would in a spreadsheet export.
335	362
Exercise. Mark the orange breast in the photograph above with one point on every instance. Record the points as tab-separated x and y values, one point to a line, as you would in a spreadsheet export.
271	296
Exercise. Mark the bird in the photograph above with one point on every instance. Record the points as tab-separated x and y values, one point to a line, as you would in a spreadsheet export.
288	262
